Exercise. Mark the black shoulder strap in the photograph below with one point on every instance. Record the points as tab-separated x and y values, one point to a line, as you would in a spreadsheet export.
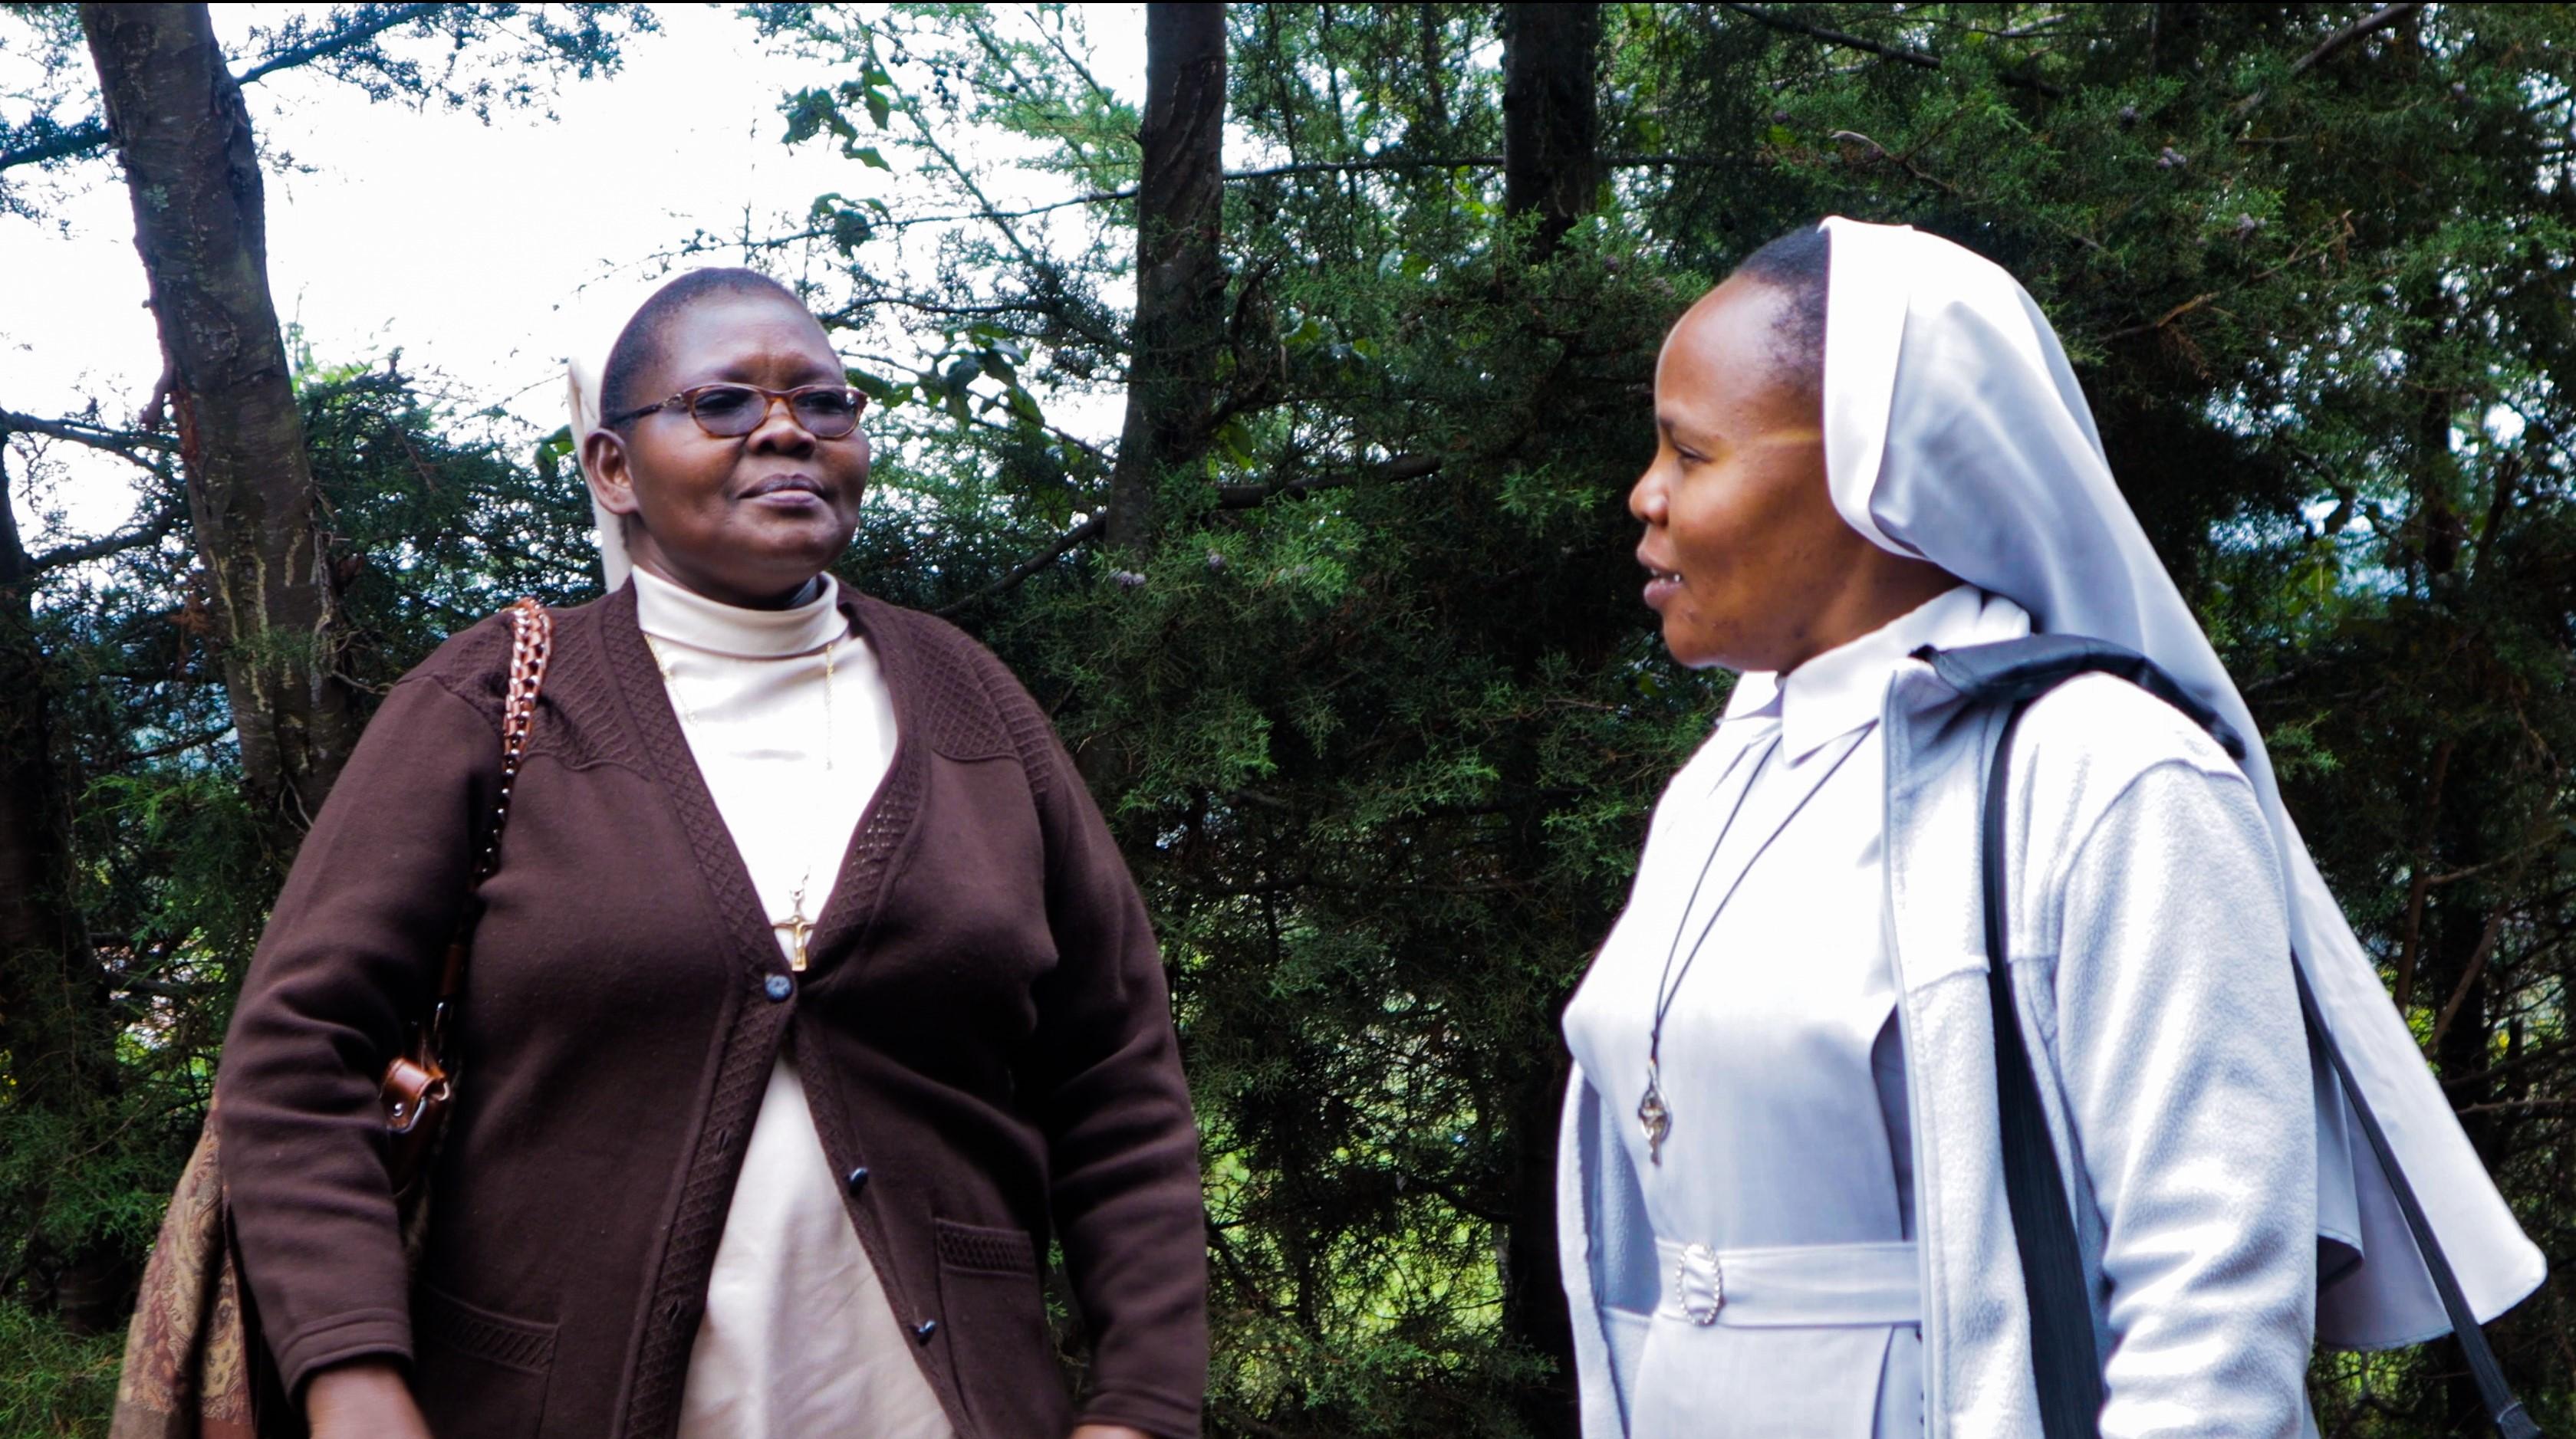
2019	671
2064	1359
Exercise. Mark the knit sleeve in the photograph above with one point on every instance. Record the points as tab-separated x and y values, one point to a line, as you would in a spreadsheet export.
1104	1079
349	958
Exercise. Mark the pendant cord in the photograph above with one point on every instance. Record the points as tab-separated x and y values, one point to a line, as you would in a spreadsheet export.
1663	992
1668	986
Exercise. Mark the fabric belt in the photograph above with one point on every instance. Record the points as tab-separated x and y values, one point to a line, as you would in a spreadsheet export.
1798	1287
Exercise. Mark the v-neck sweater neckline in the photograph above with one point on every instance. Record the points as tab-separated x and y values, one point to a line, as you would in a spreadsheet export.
881	826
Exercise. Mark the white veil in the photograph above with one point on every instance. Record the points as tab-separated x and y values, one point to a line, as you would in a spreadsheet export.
588	327
1954	430
582	400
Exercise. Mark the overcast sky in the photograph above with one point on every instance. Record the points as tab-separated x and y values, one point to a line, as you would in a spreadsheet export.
481	252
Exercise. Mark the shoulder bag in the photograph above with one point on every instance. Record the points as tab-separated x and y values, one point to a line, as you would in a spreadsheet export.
196	1366
2068	1368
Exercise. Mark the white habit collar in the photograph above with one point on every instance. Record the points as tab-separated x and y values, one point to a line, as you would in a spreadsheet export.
1844	688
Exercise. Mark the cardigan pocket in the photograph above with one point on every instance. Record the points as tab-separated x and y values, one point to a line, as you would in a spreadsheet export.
477	1371
994	1320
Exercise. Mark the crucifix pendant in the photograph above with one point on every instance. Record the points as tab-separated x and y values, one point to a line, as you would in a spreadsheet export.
1653	1117
799	929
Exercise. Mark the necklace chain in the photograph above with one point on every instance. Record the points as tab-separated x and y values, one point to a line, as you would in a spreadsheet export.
1654	1116
798	925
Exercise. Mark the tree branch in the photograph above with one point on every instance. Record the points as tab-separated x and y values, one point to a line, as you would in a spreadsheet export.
2521	1106
1099	93
1228	497
1403	467
1074	538
121	443
1845	39
180	993
336	43
2334	44
150	531
2167	318
2370	24
2469	973
91	134
1919	59
2420	881
1368	165
80	139
181	745
848	315
1906	163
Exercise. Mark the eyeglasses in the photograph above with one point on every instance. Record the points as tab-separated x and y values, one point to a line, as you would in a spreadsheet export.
729	412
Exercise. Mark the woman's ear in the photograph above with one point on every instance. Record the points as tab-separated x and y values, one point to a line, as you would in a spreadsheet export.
604	467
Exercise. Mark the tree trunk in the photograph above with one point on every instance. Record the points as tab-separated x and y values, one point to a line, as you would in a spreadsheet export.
1534	1312
1180	278
1551	117
1552	171
193	173
54	1024
57	1030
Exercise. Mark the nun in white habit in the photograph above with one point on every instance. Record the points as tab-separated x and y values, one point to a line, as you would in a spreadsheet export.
1781	1199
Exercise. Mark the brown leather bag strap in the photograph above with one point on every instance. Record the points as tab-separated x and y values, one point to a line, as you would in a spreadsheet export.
532	642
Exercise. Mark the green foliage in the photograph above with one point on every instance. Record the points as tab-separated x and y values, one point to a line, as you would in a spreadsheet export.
58	1385
1378	719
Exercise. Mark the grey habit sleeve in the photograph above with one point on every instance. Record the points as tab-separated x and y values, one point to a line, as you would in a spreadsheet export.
2185	1069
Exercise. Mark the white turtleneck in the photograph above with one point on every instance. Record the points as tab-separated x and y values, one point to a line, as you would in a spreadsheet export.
798	1337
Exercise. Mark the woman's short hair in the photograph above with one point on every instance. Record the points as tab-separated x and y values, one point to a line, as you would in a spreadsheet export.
1799	264
639	348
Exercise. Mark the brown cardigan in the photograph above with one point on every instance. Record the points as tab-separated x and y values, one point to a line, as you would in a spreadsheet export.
984	1035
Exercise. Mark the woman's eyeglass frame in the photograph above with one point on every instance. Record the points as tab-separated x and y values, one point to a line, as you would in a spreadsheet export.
690	398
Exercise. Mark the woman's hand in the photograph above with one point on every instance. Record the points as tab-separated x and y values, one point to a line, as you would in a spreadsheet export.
1088	1431
363	1399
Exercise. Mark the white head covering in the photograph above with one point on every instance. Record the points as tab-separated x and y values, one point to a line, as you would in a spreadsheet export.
591	325
582	397
1955	431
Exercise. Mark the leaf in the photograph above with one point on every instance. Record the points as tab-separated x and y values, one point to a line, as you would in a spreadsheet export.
810	112
884	394
871	157
1234	442
847	226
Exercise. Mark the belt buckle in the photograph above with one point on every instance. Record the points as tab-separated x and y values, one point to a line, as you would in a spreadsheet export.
1701	1284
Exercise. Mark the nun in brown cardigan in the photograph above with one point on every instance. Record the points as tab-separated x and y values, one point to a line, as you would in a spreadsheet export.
810	1003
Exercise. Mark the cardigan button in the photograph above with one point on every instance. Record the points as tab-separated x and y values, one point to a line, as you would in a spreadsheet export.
778	987
925	1329
858	1179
